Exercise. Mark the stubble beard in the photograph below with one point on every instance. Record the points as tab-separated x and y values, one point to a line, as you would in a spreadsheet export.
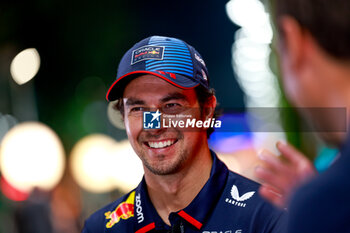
163	168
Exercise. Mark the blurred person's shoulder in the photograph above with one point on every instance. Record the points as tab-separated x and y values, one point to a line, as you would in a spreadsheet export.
117	214
324	200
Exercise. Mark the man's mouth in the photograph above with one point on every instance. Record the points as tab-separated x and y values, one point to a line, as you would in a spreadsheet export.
161	144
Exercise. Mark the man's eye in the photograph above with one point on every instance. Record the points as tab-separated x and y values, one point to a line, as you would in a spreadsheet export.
172	105
172	108
137	109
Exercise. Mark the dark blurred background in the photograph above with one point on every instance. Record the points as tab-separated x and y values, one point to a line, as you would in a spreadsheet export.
81	42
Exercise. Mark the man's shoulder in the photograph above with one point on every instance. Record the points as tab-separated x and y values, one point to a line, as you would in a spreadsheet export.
111	214
328	187
242	191
325	198
237	179
241	205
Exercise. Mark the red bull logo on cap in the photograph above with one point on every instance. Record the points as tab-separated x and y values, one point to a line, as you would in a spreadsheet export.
148	52
124	211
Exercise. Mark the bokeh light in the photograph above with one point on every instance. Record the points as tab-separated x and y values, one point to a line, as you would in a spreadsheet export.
89	162
247	13
100	164
25	66
32	155
251	63
127	170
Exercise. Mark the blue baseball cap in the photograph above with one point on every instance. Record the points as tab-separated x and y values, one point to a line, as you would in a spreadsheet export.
170	59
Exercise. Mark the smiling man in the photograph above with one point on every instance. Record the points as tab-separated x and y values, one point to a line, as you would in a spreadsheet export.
185	188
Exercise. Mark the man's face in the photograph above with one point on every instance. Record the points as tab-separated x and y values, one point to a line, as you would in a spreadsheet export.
307	81
291	84
166	150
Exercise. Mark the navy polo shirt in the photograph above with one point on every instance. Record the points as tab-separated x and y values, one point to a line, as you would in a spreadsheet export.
322	205
228	203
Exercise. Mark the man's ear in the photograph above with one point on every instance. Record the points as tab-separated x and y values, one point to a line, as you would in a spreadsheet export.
209	107
115	116
292	41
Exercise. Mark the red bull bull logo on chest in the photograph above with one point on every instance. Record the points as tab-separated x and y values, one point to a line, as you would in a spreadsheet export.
124	211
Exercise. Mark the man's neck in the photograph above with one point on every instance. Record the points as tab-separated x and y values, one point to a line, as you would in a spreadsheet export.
170	193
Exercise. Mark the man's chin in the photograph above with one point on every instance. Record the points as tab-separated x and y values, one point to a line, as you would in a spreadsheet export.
328	123
162	170
164	164
334	139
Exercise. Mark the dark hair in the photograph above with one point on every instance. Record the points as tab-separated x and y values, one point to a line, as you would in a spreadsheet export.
327	21
203	94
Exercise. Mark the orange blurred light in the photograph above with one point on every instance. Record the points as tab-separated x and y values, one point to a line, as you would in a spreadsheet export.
32	155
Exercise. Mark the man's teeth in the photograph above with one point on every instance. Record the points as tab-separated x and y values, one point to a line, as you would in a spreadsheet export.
161	144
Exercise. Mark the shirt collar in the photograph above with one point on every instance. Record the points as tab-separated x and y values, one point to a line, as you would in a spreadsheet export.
150	219
196	213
